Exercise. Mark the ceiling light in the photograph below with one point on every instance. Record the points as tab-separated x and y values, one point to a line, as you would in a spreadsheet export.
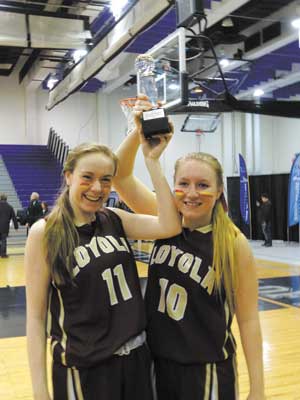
258	93
227	23
117	6
51	82
296	23
173	86
78	54
197	89
224	62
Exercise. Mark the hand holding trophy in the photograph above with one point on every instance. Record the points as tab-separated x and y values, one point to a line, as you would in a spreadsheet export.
154	122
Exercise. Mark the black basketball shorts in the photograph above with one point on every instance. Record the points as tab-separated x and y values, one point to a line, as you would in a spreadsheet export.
213	381
125	377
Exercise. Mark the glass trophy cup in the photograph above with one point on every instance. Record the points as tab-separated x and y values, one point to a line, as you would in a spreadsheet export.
154	121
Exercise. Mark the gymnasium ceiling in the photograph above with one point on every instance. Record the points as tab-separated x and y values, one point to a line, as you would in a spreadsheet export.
37	39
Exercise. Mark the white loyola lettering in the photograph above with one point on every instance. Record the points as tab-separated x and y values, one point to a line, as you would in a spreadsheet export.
117	245
93	246
162	254
152	260
81	256
194	273
76	271
105	245
98	244
209	280
159	256
187	263
174	254
125	244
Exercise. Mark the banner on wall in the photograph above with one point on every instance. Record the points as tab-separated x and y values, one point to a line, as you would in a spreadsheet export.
294	193
244	191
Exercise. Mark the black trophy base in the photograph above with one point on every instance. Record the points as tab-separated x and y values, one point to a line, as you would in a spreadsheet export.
155	122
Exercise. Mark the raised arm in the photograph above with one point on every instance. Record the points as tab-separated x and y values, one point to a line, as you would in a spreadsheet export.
135	194
37	284
248	318
167	223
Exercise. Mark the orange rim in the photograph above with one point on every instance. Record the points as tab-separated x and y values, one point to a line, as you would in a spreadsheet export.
129	102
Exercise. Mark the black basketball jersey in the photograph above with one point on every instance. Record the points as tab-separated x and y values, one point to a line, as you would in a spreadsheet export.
188	322
93	317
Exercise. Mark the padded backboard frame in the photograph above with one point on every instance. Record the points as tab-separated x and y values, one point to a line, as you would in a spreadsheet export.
206	123
183	102
172	46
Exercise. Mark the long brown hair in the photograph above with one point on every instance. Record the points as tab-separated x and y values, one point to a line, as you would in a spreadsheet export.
61	237
224	232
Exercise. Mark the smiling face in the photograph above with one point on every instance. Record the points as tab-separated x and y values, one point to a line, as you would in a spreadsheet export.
197	192
89	185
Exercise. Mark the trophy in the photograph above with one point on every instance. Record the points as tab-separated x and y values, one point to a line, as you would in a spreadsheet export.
154	121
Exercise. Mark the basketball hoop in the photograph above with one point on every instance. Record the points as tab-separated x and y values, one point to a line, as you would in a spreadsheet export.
127	108
199	132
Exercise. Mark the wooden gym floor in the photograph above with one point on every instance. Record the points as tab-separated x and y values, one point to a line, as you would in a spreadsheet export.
279	305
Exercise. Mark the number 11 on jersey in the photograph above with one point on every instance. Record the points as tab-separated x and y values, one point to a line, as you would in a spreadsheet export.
108	277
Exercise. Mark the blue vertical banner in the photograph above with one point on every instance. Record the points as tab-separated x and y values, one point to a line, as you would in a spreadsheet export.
244	191
294	193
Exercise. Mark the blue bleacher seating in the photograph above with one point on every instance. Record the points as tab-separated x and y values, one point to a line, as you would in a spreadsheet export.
32	168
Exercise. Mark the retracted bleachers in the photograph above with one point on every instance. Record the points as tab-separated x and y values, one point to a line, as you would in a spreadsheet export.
32	168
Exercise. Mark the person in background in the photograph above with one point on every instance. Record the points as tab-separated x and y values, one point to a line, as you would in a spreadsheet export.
265	214
79	265
45	208
7	214
34	210
122	205
198	281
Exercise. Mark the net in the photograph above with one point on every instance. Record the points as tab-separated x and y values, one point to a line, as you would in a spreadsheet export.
127	108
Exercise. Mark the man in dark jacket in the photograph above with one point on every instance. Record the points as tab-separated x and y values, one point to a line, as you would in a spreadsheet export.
34	210
266	218
6	215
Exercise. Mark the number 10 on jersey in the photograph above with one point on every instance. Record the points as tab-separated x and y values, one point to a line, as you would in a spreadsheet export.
173	299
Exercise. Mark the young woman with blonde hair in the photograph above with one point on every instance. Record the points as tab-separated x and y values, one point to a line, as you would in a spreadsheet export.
80	270
197	281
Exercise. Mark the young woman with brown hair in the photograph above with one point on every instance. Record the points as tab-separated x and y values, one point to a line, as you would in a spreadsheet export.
82	282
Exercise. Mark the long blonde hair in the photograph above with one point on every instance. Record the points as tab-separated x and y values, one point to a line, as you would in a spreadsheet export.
224	232
61	237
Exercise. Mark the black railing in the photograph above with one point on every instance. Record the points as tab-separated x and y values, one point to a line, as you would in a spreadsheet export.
57	146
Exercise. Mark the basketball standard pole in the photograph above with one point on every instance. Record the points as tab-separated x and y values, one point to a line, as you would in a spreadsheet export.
250	213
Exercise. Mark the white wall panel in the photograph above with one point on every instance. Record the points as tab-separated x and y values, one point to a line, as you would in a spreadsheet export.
286	139
57	33
75	120
12	112
13	30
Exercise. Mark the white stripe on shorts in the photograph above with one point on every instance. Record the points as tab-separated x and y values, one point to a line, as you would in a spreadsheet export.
70	387
215	384
207	382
